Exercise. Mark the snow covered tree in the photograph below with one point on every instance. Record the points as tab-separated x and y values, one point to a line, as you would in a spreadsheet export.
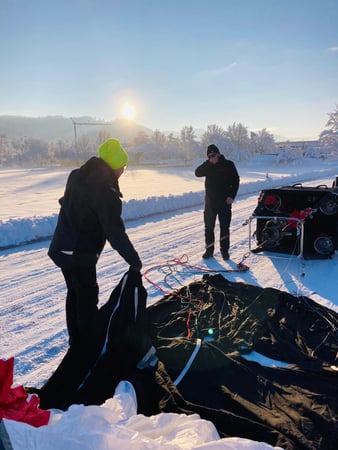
64	152
333	120
102	136
213	135
140	139
158	138
329	137
187	134
287	156
173	140
84	147
187	143
238	141
263	142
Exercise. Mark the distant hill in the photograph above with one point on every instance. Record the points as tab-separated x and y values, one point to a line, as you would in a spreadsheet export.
53	128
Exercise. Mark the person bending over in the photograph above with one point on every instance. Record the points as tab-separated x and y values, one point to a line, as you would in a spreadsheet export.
90	214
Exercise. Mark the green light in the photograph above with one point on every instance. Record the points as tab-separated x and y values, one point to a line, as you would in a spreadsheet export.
210	331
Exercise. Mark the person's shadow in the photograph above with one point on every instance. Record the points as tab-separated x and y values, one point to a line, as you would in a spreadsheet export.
231	269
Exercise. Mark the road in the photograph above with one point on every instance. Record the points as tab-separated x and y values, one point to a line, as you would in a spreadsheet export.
32	321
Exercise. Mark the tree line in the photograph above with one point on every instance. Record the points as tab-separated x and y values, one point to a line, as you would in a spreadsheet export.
235	142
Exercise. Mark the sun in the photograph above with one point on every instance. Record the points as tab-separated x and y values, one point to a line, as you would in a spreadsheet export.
128	111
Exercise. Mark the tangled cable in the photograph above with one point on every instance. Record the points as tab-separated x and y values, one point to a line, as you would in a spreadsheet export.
181	266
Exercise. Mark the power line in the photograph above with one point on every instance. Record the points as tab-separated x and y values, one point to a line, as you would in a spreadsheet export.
75	123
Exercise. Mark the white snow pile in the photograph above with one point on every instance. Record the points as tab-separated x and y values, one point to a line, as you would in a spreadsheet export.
22	230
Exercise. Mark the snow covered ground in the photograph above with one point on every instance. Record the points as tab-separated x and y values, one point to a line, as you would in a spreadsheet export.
163	211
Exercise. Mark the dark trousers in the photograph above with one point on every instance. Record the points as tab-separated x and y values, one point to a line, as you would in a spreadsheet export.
211	212
81	300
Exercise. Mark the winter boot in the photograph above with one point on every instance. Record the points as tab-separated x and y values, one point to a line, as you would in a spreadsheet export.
225	255
209	253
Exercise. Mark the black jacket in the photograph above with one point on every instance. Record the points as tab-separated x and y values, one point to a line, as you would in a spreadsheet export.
90	214
221	180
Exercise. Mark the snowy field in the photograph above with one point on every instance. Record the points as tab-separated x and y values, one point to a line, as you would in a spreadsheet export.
163	211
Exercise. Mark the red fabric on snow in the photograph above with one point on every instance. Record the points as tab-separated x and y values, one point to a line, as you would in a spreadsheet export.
14	402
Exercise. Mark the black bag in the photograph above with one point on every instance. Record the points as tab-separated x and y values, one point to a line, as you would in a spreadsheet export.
115	343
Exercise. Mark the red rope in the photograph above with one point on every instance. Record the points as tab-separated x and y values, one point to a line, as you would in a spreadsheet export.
183	261
172	263
188	325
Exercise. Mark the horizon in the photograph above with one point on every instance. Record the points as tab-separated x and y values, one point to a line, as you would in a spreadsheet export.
164	130
264	64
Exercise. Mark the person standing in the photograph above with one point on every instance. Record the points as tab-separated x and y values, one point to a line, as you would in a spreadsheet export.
221	186
90	215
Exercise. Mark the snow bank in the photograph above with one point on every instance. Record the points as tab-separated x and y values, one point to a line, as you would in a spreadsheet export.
14	232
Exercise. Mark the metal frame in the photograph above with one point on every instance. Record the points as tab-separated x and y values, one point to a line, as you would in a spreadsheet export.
300	225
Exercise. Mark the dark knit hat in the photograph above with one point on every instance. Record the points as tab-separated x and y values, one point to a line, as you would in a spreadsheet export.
212	149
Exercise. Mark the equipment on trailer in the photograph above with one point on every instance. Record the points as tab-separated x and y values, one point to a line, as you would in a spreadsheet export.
297	220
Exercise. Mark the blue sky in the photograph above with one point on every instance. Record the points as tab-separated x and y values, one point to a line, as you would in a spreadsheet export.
264	63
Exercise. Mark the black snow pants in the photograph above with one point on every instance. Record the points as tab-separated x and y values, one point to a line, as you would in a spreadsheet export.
211	212
81	300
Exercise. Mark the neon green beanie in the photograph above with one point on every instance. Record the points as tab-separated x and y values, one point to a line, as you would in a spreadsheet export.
113	154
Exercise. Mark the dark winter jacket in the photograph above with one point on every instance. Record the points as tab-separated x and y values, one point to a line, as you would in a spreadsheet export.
221	180
90	214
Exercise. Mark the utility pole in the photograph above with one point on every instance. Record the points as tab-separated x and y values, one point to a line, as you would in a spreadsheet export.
85	123
75	135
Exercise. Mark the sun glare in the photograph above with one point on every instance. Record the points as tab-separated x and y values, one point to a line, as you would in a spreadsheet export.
128	111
